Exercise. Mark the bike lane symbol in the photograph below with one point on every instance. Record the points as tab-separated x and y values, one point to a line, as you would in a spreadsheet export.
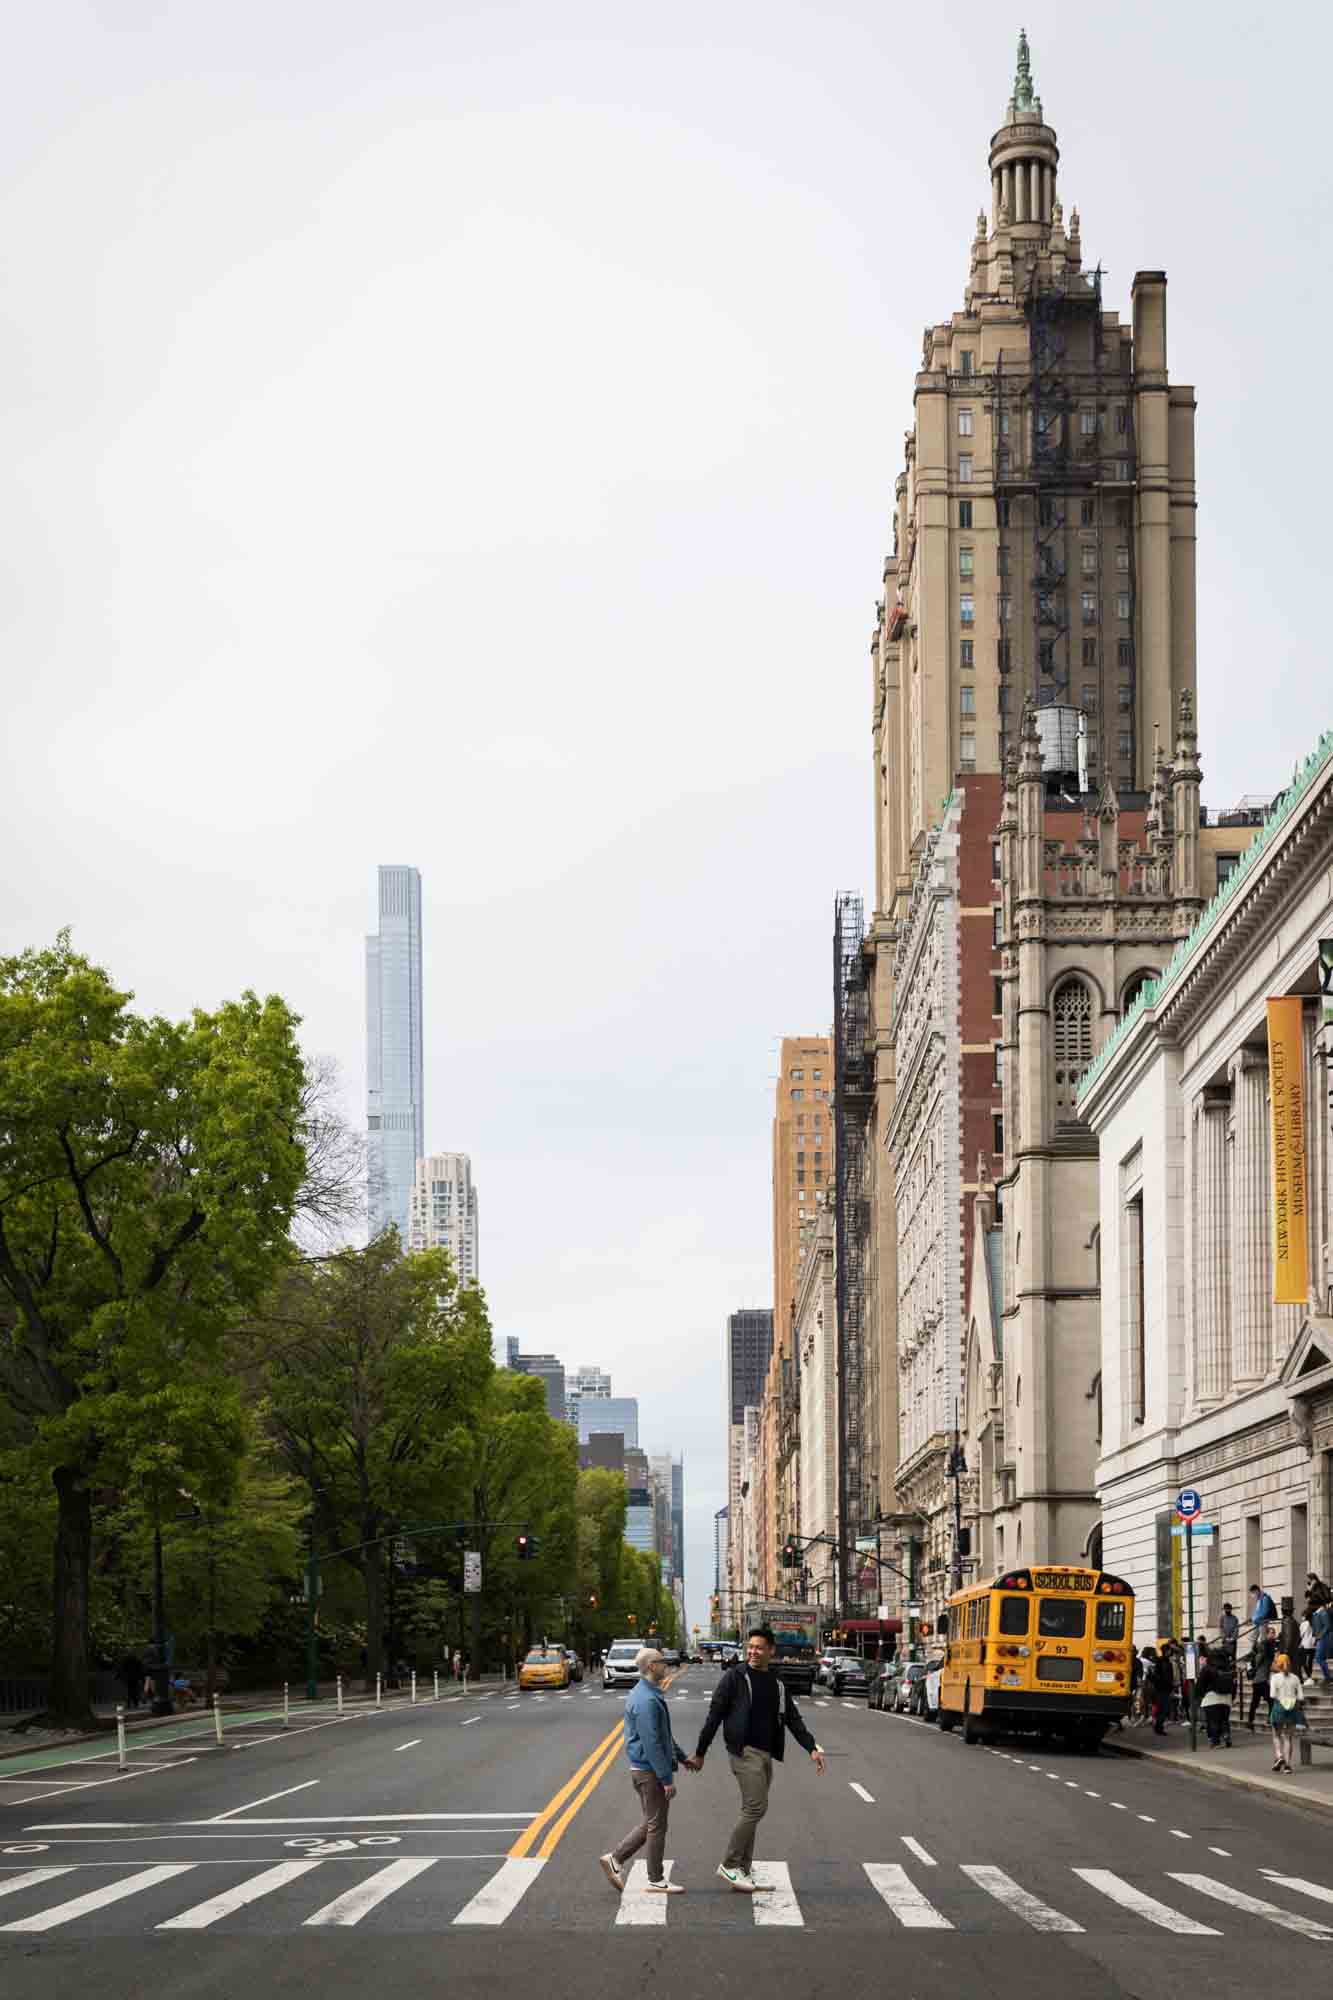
316	1844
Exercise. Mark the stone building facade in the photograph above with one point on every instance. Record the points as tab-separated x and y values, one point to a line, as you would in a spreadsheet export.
1042	558
1205	1381
817	1356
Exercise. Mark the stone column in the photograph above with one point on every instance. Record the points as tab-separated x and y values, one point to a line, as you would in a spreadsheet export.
1050	194
996	196
1251	1224
1020	191
1212	1249
1035	203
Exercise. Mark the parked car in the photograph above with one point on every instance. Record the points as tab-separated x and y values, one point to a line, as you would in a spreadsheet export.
618	1668
575	1664
850	1674
834	1663
544	1667
928	1694
903	1695
883	1684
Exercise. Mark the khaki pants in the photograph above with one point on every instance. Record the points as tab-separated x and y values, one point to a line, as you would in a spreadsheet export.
651	1830
754	1775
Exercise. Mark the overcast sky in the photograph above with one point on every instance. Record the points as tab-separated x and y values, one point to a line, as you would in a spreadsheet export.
466	436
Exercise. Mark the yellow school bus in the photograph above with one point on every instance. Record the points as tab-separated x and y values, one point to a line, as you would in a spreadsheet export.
1048	1649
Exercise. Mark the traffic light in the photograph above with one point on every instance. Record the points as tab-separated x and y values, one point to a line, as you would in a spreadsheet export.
791	1556
592	1601
632	1619
525	1547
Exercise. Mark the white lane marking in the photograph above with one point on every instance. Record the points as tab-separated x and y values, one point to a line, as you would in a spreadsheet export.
406	1746
1181	1836
1225	1852
236	1898
254	1804
1254	1906
96	1899
1030	1908
1149	1818
779	1906
862	1793
315	1819
1091	1795
903	1897
1130	1898
506	1888
1117	1807
468	1721
638	1904
1072	1784
353	1904
1034	1767
30	1877
1299	1884
915	1847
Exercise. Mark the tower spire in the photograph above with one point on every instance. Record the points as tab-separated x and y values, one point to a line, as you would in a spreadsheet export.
1024	103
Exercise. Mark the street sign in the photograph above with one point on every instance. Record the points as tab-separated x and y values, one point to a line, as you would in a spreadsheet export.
472	1570
1196	1530
1188	1503
914	1610
882	1613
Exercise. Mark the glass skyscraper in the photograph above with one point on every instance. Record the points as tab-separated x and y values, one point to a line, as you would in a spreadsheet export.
395	1119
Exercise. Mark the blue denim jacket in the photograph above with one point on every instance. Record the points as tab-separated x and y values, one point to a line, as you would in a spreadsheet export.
649	1743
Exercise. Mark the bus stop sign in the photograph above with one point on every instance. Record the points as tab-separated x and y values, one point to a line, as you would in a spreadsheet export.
1188	1503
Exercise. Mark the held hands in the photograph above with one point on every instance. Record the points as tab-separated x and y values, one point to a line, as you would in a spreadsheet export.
692	1763
817	1759
669	1791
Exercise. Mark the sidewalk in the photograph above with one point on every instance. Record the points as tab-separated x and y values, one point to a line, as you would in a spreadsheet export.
251	1705
1249	1763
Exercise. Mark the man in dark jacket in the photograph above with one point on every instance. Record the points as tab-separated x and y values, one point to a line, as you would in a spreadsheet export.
754	1712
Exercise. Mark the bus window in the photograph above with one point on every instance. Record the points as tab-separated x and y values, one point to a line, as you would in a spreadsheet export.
1062	1618
973	1618
1111	1618
1014	1616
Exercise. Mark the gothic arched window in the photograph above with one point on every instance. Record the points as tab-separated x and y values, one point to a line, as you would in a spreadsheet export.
1071	1040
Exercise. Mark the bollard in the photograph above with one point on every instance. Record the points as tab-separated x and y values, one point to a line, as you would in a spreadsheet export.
414	1687
437	1683
340	1694
286	1706
217	1718
120	1736
378	1689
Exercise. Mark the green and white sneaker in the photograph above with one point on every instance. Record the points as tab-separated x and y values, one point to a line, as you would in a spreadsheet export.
736	1878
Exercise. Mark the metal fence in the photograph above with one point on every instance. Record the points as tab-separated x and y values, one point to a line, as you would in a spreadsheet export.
24	1695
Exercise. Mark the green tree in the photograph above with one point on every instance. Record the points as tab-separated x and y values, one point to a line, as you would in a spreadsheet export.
375	1366
149	1174
523	1476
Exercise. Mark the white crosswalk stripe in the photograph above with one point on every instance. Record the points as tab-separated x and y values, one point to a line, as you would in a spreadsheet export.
97	1899
779	1905
30	1876
912	1909
354	1903
236	1898
1254	1906
500	1897
638	1903
1143	1905
1030	1908
1299	1884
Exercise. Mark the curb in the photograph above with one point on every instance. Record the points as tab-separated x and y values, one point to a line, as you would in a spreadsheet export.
1267	1788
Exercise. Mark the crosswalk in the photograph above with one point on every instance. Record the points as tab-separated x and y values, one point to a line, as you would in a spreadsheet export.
963	1897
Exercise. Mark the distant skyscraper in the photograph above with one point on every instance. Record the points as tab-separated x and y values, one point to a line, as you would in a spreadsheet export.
585	1381
552	1373
444	1211
395	1117
609	1413
749	1345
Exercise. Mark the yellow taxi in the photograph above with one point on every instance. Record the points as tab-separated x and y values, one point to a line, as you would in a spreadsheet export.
544	1667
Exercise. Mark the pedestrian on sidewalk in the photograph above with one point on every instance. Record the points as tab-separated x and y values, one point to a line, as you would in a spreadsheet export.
1316	1593
1259	1669
1157	1681
1228	1627
1214	1692
1306	1666
1262	1607
653	1754
1321	1625
1285	1712
754	1712
1289	1632
131	1672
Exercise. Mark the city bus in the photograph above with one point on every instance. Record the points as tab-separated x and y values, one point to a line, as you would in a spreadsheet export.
1046	1649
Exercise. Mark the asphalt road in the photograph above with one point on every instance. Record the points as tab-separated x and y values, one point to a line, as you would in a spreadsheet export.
458	1842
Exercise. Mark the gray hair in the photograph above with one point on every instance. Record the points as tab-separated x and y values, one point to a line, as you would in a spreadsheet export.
647	1656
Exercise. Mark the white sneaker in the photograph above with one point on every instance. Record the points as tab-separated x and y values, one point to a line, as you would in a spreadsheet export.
736	1878
611	1870
665	1888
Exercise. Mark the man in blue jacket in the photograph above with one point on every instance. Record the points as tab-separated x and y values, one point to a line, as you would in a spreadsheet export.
653	1754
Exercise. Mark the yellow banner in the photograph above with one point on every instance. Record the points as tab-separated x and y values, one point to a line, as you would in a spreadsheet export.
1286	1091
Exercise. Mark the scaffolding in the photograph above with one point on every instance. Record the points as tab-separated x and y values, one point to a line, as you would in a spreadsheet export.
853	1091
1057	491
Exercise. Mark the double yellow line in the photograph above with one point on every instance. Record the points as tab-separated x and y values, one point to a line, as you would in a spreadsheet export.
546	1831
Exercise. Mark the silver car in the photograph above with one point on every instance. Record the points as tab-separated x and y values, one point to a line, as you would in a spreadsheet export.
618	1668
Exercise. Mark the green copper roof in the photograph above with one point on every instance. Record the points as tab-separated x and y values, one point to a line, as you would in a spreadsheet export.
1023	77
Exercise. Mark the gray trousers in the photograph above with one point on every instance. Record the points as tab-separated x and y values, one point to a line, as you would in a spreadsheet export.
754	1775
654	1806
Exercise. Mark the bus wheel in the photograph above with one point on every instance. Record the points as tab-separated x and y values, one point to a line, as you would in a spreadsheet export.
947	1721
971	1734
